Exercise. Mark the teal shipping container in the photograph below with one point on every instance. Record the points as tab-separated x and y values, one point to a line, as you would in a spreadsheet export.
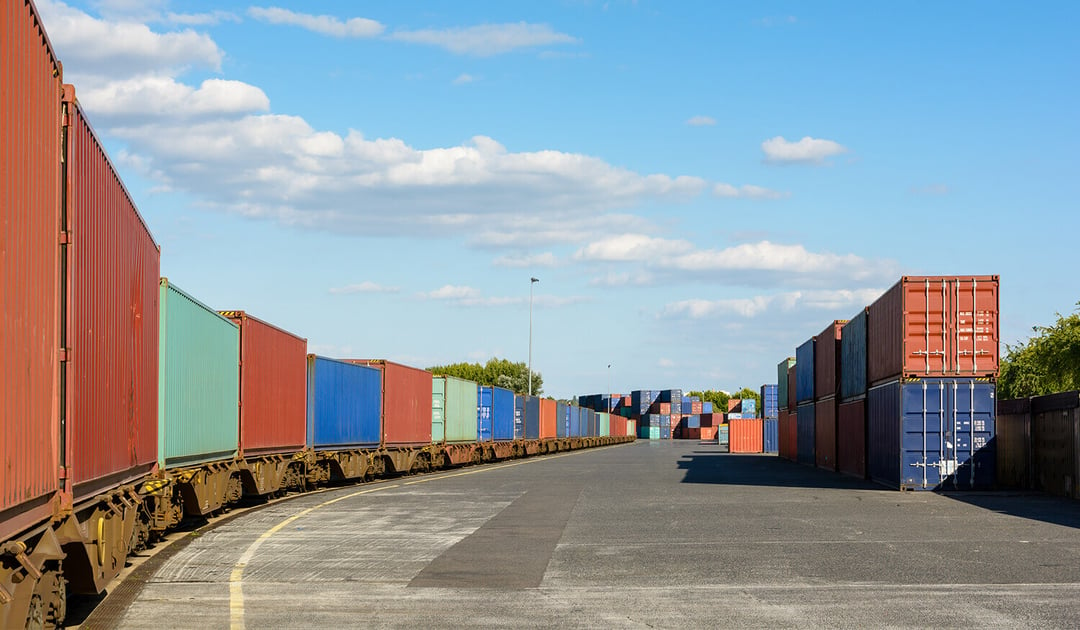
455	398
198	382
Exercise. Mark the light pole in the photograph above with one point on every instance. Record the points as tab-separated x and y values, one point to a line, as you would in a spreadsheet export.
532	281
609	383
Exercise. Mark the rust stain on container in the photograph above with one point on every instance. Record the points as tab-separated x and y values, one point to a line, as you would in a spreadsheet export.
273	387
934	326
112	325
29	267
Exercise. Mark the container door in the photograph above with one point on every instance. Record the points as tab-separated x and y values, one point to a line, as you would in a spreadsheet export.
438	410
484	404
928	443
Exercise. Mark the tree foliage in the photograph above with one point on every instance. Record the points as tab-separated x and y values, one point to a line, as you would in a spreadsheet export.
747	393
497	372
718	399
1048	363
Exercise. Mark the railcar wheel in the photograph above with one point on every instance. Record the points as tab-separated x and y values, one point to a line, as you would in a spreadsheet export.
35	616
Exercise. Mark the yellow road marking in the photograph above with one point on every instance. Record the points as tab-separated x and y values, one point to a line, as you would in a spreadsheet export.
236	589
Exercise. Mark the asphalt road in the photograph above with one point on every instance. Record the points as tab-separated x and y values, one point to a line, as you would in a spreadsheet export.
661	534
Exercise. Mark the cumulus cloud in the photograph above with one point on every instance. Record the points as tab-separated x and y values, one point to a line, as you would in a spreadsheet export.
665	363
622	279
464	78
806	151
100	47
747	191
157	96
202	19
356	27
364	287
518	261
488	39
452	292
751	307
701	121
470	297
760	263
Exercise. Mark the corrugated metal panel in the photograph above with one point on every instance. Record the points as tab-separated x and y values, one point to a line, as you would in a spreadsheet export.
273	387
406	399
827	360
804	372
575	421
113	265
1013	440
825	433
792	388
503	414
605	424
562	420
30	91
438	410
519	417
770	435
934	327
344	404
851	438
782	380
199	383
769	401
459	409
853	357
1055	445
532	418
932	433
484	414
805	434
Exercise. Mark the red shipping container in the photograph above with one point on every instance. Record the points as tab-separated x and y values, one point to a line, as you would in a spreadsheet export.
781	433
29	269
708	433
732	403
695	408
936	326
547	419
745	436
665	409
825	433
827	360
692	433
709	419
792	398
112	325
851	438
406	400
273	387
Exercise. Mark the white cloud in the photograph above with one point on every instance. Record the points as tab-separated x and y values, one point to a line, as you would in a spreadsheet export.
323	24
451	292
464	78
790	302
123	48
931	190
701	121
808	150
627	247
152	96
488	39
521	261
202	19
665	363
747	191
364	287
623	279
470	297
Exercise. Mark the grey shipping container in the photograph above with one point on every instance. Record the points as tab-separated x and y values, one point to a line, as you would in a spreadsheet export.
853	357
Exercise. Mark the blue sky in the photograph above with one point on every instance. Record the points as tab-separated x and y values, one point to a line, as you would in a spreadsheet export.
700	187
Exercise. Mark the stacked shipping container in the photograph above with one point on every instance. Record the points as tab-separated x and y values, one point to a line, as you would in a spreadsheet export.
826	386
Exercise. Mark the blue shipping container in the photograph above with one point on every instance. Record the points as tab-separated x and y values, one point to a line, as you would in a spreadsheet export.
770	435
519	417
749	408
687	407
693	421
562	420
804	375
502	414
770	398
575	421
532	418
706	407
344	404
932	433
804	429
665	432
853	357
484	413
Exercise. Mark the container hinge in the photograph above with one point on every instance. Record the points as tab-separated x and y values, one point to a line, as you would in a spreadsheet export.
65	237
63	354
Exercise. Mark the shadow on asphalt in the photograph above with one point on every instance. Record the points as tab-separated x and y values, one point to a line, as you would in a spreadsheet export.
712	467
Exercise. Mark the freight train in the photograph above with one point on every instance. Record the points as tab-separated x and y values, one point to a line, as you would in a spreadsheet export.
127	405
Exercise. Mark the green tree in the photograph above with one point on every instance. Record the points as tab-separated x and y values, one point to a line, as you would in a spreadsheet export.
718	399
497	372
747	393
1049	362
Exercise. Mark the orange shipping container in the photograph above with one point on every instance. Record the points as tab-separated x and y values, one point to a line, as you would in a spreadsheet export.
708	433
547	419
745	436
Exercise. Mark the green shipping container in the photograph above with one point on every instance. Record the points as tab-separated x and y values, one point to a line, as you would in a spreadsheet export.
605	424
198	382
453	409
781	382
